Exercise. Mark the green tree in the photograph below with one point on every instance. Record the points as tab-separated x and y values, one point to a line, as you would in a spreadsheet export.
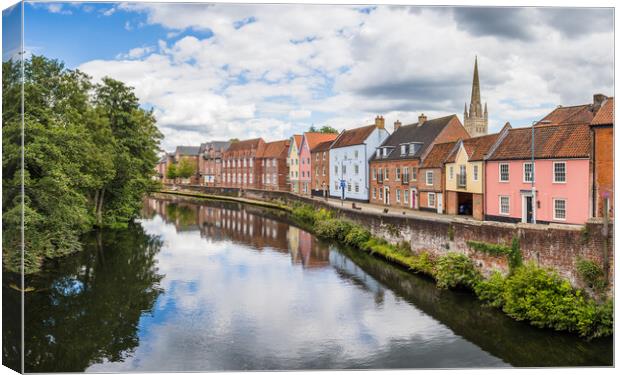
171	173
328	129
186	168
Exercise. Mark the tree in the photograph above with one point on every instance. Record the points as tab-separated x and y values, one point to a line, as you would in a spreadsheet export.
312	129
186	168
171	173
328	130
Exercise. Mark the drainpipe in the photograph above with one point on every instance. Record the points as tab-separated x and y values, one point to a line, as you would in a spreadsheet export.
533	174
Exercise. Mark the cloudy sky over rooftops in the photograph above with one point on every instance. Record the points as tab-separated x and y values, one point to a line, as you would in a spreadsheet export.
220	71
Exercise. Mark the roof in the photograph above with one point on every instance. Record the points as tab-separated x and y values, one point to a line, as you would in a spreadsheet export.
605	115
577	114
297	138
313	139
476	148
353	137
188	150
424	134
245	144
438	154
277	149
217	145
323	146
560	141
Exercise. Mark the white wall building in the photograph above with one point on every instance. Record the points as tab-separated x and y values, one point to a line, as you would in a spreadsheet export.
349	157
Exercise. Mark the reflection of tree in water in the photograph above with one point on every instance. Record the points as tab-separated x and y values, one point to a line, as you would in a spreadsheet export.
11	321
183	216
87	307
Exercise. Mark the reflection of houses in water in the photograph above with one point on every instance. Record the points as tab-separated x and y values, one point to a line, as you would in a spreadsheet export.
351	272
306	250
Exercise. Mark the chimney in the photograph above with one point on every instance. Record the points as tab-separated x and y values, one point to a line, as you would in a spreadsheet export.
379	122
422	119
598	101
397	125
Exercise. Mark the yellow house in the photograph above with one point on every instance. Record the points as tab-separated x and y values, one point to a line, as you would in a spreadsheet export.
464	171
292	161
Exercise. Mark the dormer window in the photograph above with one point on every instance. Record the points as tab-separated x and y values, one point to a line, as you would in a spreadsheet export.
378	152
403	149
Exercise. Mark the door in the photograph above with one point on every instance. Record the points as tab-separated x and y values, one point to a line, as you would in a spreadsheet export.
386	196
440	203
413	202
529	211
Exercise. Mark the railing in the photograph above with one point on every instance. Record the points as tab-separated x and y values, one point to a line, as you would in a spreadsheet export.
461	180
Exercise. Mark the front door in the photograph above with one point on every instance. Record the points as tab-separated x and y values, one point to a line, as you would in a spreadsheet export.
386	196
413	202
528	210
440	203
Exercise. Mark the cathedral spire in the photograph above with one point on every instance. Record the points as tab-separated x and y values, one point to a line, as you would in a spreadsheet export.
475	106
476	120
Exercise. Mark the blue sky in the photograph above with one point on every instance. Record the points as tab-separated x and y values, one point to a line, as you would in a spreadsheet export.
220	71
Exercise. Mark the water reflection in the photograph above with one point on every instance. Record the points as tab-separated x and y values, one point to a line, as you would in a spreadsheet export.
222	286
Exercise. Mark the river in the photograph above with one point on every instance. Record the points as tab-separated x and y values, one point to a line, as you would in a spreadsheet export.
203	286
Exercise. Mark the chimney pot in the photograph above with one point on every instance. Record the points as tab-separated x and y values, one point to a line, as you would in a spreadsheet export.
598	101
422	119
379	122
397	124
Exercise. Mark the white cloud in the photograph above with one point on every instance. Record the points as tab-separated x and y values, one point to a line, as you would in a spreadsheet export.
269	69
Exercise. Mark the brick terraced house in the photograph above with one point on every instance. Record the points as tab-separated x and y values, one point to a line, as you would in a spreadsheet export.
272	162
464	175
431	181
555	189
394	164
210	162
602	128
319	177
239	165
307	165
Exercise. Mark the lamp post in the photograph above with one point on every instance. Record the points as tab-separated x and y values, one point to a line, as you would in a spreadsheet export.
533	188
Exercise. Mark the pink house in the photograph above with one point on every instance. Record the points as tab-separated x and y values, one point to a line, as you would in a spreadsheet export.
561	176
306	165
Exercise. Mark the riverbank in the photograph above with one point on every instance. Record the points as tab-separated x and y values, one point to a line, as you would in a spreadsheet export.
553	303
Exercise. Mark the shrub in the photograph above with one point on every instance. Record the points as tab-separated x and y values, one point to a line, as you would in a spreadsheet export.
592	274
424	263
514	258
304	214
491	290
489	248
333	229
454	270
357	236
603	323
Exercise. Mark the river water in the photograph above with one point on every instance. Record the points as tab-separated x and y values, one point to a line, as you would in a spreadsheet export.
199	286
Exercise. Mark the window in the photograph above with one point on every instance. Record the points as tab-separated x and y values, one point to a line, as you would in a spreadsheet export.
378	152
380	193
387	173
356	168
398	195
336	185
398	174
316	157
380	174
504	205
349	188
406	196
431	199
429	177
316	171
527	172
559	172
324	153
414	174
374	193
374	173
503	172
475	173
251	163
462	176
344	169
406	174
559	209
403	149
357	187
323	170
451	172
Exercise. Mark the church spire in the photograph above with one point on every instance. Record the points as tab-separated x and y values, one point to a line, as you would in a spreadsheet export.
475	106
476	121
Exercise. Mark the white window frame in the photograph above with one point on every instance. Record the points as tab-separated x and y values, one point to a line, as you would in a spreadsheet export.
434	200
398	195
501	212
451	172
500	172
475	169
397	173
356	169
406	196
403	149
554	175
555	217
374	193
525	180
429	173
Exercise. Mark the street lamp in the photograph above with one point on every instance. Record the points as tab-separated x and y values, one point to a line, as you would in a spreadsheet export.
534	201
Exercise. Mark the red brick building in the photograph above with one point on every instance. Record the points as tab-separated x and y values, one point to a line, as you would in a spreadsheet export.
320	169
394	167
602	128
431	180
272	162
240	167
210	162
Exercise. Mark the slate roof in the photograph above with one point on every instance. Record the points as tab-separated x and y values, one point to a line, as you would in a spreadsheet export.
424	134
218	145
353	137
605	115
277	149
188	150
313	139
323	146
577	114
476	148
559	141
438	154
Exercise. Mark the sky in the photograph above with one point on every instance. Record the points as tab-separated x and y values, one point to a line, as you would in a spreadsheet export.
213	72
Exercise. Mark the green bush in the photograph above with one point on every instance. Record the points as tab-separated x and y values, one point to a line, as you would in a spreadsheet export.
491	290
592	274
603	323
333	229
357	236
489	248
454	270
424	263
304	214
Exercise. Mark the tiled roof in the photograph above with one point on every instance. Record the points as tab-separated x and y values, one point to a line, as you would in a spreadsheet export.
323	146
244	145
297	138
277	149
424	134
438	154
560	141
578	114
476	148
605	115
188	150
313	139
353	137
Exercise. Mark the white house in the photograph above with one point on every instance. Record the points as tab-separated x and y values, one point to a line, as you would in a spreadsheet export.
348	160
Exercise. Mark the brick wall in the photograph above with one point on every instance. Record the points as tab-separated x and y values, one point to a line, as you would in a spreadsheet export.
478	206
603	168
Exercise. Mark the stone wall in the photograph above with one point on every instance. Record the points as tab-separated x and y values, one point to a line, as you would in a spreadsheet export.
554	246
